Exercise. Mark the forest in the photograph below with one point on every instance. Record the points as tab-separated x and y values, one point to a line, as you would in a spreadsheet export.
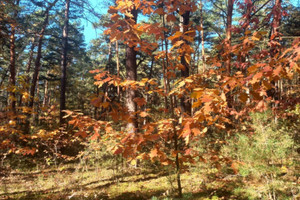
174	99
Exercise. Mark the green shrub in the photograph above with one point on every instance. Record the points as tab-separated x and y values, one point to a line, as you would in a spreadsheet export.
266	157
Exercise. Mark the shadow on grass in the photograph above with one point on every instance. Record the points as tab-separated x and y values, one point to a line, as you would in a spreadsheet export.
218	193
139	195
56	191
93	196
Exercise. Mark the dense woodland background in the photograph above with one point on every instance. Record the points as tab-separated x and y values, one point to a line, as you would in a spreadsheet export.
205	93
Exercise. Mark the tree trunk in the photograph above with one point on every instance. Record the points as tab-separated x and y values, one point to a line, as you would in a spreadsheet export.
64	64
148	86
165	71
96	113
12	65
230	3
118	68
202	37
37	65
185	103
165	78
45	93
12	68
177	162
37	105
131	75
28	67
36	69
228	33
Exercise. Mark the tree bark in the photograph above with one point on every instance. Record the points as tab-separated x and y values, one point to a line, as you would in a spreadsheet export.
165	70
202	37
131	75
118	68
64	64
165	81
228	33
230	3
12	65
12	68
45	100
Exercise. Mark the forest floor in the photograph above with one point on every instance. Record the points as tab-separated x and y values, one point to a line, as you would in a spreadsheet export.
97	183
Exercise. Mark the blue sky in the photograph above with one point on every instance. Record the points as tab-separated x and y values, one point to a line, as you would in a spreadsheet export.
89	32
102	6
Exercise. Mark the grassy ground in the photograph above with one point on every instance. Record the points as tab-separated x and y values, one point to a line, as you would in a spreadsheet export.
78	182
71	182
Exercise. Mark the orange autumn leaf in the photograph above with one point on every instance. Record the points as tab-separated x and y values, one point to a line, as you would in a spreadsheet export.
206	98
186	130
153	153
144	114
243	97
105	104
140	101
118	151
95	136
196	131
159	11
171	18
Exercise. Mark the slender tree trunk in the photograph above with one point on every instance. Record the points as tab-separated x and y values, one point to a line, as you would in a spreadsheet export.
185	103
148	86
228	33
165	79
96	115
37	65
176	146
109	57
118	68
103	112
34	80
64	63
12	65
131	74
37	104
12	68
28	67
166	57
230	3
36	69
45	93
165	64
275	45
202	37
